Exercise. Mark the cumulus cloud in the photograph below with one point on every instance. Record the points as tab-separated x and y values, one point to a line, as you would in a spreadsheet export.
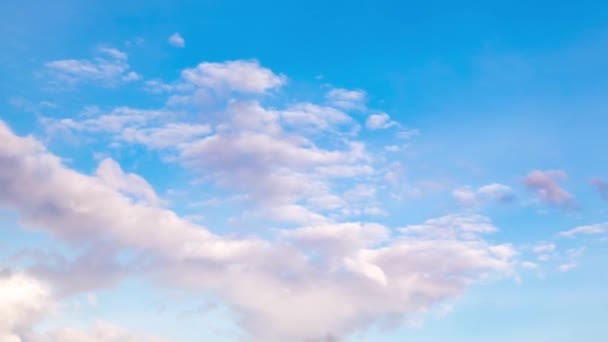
177	40
109	68
545	185
243	76
280	289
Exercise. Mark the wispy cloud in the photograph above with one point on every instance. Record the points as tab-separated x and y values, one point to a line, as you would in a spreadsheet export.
109	68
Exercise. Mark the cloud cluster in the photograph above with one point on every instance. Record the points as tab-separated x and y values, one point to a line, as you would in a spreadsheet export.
323	280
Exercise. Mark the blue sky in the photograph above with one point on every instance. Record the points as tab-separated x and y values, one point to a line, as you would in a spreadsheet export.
263	171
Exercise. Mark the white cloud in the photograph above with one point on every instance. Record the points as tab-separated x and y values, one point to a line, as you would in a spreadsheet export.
529	265
177	40
380	121
157	129
497	192
347	99
543	248
494	192
169	136
465	196
109	68
318	117
101	331
361	275
239	76
591	229
568	266
23	301
111	174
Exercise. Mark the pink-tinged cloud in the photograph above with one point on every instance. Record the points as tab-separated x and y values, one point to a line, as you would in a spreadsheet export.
601	186
545	185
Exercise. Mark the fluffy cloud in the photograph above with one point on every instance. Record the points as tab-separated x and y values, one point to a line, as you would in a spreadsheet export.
545	184
23	301
109	68
177	40
360	274
239	76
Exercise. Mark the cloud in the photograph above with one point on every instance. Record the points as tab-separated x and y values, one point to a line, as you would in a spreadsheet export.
242	76
278	288
109	68
101	331
315	116
23	301
495	192
347	99
177	40
529	265
545	184
380	121
157	129
168	136
585	230
465	196
543	248
110	173
601	186
260	153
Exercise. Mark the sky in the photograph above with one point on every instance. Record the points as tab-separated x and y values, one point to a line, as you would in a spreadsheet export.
303	171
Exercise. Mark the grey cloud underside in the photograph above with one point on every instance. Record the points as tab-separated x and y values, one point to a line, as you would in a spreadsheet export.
359	274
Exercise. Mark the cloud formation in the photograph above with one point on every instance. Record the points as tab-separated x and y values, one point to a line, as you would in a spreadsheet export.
545	185
360	274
